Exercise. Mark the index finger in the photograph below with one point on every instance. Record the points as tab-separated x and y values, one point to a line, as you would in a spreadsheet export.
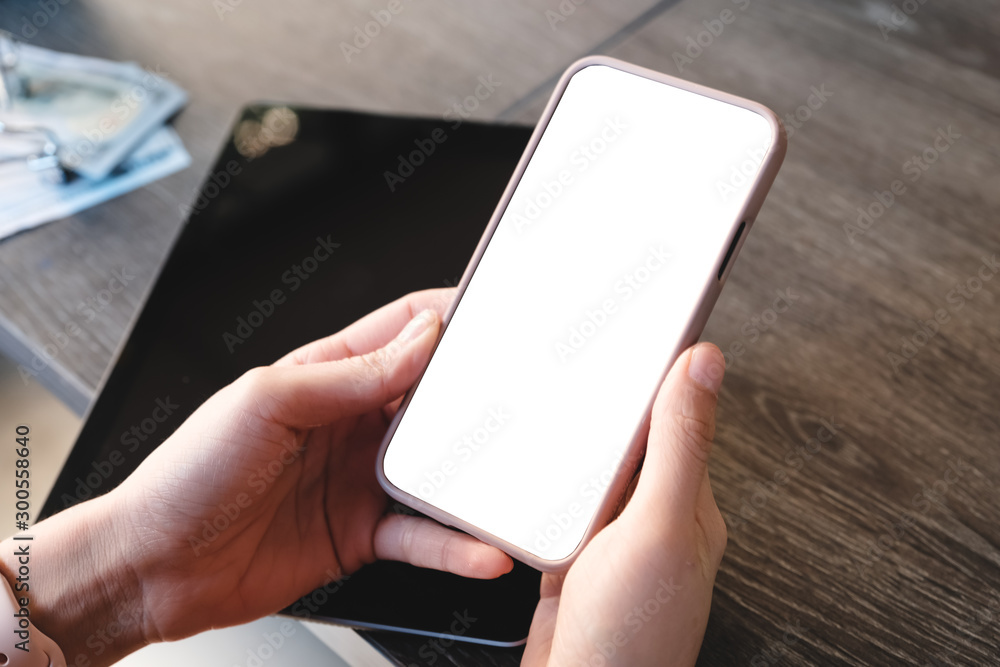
372	331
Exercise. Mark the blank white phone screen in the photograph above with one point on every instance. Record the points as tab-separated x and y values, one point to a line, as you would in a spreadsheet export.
581	298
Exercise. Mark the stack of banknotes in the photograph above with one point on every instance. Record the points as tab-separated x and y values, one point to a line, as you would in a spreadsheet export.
77	131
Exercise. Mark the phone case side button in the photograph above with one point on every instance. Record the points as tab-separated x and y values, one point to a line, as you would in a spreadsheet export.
732	247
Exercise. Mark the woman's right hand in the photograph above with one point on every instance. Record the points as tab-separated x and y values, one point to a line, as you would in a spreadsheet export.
640	592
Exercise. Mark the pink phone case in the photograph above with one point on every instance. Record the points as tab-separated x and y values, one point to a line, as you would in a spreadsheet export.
727	253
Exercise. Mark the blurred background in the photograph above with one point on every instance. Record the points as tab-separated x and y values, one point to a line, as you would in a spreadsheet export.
818	569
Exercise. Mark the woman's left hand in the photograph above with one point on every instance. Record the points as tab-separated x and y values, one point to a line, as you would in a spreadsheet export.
265	493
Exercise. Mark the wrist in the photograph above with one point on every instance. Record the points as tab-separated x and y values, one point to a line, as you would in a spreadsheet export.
82	591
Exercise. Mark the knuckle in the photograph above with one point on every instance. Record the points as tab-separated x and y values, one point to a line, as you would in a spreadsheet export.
718	536
255	378
375	364
255	384
714	538
695	433
407	537
254	391
447	552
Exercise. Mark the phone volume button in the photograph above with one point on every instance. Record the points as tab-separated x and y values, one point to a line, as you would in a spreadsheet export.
732	248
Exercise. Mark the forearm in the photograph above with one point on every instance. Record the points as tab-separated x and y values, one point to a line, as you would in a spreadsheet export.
82	591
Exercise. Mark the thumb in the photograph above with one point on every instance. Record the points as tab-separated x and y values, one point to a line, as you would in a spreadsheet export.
320	393
681	430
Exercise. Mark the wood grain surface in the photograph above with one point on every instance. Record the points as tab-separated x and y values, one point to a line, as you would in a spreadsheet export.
858	446
427	58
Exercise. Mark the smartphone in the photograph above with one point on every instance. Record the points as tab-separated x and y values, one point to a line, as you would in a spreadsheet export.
599	266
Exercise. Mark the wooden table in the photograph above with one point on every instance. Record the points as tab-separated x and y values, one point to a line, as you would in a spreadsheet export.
857	450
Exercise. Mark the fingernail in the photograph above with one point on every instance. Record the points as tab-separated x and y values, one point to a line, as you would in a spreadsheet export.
416	326
707	367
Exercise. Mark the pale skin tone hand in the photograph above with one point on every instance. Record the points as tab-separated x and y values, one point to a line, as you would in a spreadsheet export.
283	461
640	592
286	457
